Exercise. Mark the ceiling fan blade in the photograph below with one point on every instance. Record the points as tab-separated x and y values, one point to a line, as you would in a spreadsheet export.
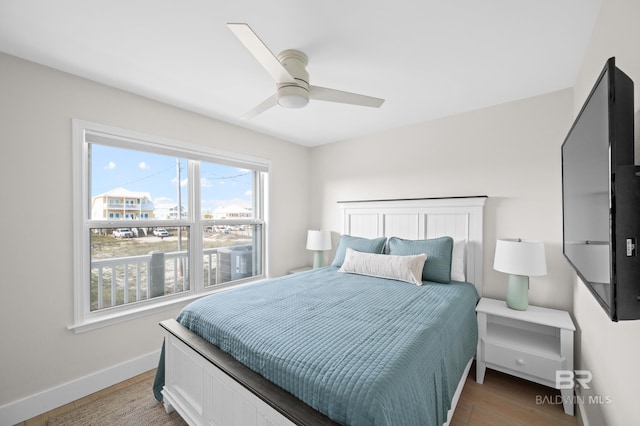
261	52
332	95
261	107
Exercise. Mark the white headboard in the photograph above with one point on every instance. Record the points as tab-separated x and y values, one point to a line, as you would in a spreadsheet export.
460	218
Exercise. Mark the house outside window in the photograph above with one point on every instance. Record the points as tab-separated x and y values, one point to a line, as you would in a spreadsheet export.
145	236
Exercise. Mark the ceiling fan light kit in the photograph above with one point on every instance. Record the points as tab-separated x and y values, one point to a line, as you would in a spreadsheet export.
292	96
292	79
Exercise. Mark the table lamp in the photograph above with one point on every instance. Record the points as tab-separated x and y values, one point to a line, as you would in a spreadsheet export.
520	259
318	241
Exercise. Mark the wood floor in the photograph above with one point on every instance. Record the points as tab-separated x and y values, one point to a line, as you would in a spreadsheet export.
42	419
502	400
506	400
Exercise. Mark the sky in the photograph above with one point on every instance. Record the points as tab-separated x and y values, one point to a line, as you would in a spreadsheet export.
157	175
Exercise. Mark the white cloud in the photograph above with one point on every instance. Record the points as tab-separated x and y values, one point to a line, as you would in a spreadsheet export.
144	166
183	182
212	205
206	183
248	193
163	200
110	165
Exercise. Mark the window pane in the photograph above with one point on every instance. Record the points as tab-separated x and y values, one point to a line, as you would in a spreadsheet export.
129	184
231	253
137	200
133	264
225	192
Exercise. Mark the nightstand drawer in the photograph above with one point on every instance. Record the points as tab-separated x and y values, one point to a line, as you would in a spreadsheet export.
513	359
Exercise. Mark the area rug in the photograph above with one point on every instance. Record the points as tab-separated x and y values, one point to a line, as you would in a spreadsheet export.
132	405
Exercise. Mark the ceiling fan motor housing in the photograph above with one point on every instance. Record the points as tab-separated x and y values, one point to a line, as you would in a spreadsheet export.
294	95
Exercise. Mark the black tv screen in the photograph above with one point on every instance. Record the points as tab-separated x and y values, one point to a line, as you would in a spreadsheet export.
599	143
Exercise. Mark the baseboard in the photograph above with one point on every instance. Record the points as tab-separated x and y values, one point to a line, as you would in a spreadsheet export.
41	402
591	406
581	414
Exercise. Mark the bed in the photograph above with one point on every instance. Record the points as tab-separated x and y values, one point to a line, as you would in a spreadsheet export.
336	345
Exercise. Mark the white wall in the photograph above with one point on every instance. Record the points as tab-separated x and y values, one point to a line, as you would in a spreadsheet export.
36	298
510	153
609	350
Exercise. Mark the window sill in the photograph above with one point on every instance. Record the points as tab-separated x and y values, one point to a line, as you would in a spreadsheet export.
104	319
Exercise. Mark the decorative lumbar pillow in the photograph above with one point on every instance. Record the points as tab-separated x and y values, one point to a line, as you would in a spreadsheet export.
363	245
438	250
400	268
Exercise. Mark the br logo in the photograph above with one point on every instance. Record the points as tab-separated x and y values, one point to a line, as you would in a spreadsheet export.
567	379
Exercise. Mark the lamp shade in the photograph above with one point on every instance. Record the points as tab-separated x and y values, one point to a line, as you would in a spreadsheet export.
520	257
318	240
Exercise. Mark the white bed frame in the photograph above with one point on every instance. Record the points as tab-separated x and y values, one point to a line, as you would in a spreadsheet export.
208	387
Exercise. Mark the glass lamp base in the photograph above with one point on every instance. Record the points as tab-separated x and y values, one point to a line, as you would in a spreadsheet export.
517	292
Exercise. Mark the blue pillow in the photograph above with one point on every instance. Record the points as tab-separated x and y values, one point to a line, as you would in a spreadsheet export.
363	245
438	250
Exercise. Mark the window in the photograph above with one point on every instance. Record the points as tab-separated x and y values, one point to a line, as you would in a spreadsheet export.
158	222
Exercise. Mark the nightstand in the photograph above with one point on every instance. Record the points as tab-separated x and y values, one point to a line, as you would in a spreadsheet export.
302	269
531	344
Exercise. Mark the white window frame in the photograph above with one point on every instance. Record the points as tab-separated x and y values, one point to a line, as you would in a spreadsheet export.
84	133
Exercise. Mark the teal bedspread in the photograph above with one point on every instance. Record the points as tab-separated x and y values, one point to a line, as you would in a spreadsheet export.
361	350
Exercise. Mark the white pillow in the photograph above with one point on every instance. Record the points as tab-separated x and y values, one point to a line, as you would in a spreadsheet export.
401	268
457	261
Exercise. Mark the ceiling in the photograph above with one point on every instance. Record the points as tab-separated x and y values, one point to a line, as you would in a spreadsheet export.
427	58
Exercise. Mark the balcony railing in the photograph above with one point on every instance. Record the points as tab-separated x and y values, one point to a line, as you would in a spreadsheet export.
155	274
122	206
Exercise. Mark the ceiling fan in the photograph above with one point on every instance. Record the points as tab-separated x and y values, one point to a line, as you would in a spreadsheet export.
291	77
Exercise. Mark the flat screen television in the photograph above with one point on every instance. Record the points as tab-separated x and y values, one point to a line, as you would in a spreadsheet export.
601	196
